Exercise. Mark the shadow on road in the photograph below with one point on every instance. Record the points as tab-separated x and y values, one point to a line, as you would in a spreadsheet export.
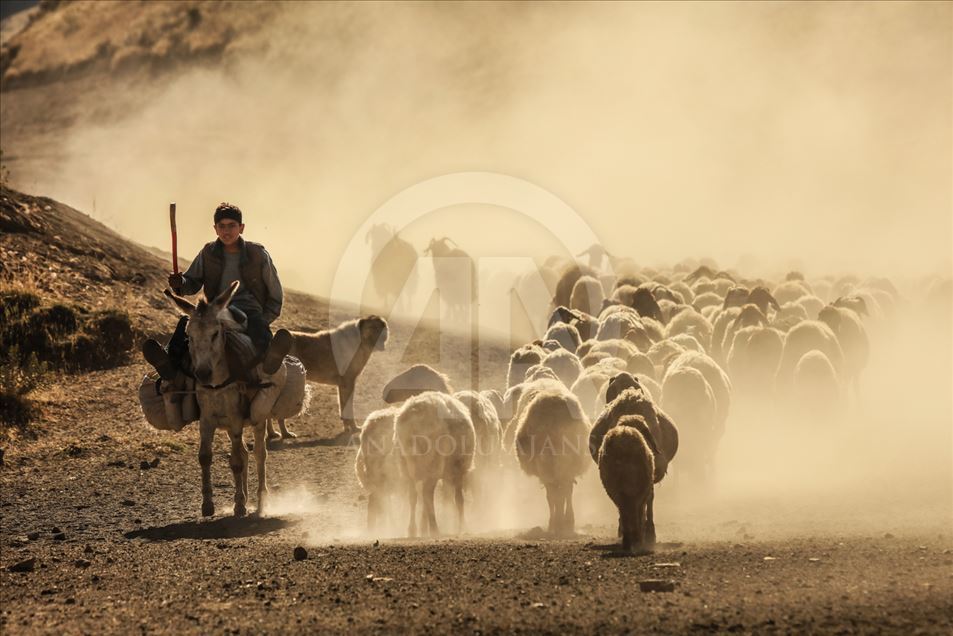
221	528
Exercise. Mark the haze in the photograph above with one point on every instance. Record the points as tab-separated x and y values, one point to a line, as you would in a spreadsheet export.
809	135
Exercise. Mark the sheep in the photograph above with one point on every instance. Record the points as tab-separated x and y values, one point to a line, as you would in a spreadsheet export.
640	363
687	342
496	399
550	443
753	357
337	357
486	427
631	401
661	353
413	381
790	291
720	324
586	325
452	266
565	365
617	348
565	334
567	280
393	262
815	392
521	360
717	379
811	305
626	469
376	464
587	295
690	322
853	340
540	372
748	315
707	299
689	399
589	387
434	440
516	399
807	335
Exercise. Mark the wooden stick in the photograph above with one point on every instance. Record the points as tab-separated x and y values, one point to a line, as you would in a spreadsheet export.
175	241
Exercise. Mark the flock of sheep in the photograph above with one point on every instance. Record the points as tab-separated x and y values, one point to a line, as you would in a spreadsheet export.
635	368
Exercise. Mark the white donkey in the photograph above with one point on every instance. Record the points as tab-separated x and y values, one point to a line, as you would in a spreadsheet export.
224	402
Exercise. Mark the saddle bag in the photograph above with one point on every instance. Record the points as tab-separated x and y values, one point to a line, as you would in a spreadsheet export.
165	408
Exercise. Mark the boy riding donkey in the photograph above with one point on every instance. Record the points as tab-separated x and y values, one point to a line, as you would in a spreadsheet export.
256	304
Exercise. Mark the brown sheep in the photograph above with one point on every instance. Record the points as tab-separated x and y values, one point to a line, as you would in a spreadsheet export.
626	468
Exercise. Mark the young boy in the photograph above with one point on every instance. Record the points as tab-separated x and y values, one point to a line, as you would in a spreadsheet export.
258	298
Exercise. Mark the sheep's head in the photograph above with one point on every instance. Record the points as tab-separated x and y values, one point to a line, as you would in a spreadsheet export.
830	317
736	297
438	247
761	297
620	383
857	304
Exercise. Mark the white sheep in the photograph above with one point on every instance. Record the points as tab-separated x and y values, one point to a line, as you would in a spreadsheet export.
435	441
690	401
376	464
587	295
565	365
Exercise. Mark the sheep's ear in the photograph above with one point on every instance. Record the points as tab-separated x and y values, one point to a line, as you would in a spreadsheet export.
182	303
773	302
221	301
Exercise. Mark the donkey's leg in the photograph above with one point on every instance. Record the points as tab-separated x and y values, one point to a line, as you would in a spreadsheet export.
238	461
261	454
206	434
285	433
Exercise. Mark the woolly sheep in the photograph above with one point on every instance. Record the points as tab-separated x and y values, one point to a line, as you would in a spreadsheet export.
550	444
853	341
816	391
790	291
521	360
566	335
587	295
567	280
689	399
435	441
413	381
690	322
626	469
717	379
753	358
486	428
803	337
376	464
565	365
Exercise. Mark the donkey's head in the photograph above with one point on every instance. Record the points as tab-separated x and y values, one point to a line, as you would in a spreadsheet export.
208	322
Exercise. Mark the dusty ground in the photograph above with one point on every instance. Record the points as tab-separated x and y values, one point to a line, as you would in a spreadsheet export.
136	556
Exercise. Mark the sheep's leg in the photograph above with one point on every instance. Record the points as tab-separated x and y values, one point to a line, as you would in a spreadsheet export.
569	518
412	504
345	395
373	510
458	495
261	454
638	521
625	524
648	540
552	499
285	433
431	521
272	433
238	462
206	434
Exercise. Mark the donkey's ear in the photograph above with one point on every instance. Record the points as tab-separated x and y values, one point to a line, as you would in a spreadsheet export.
182	303
221	301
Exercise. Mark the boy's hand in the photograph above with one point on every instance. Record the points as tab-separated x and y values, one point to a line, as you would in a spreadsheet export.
176	281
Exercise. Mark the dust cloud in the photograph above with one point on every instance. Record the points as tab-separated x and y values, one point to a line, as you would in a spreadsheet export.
766	136
775	135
